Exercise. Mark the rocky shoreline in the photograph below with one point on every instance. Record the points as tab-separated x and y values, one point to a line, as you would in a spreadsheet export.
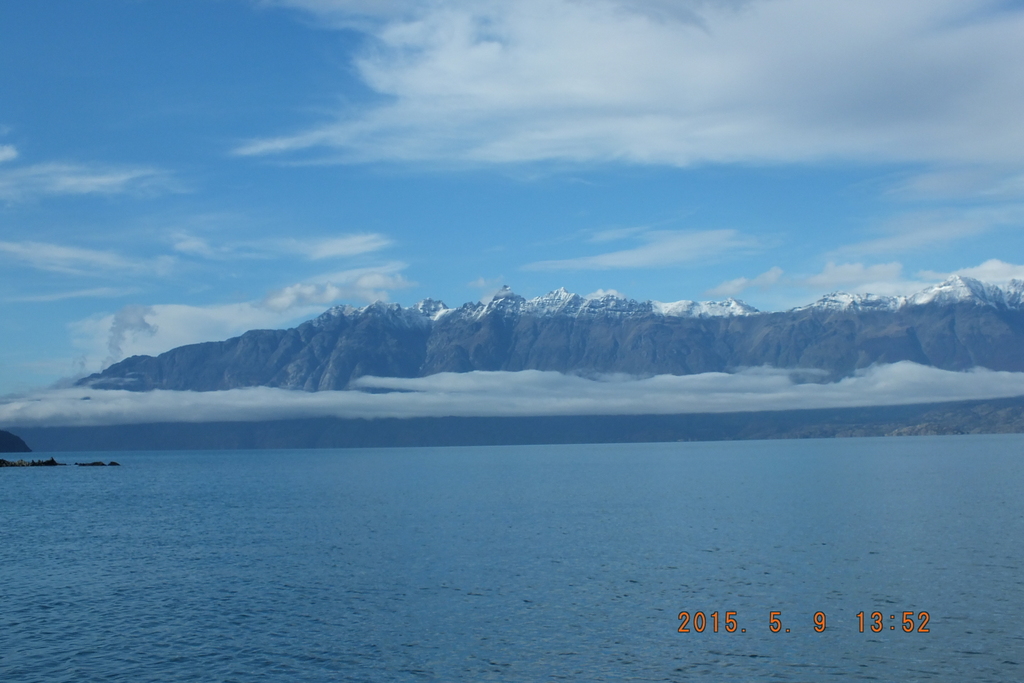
31	463
53	463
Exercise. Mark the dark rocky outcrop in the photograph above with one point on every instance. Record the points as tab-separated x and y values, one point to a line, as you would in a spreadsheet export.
9	443
30	463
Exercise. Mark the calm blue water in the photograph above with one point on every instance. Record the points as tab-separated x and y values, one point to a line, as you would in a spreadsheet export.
517	563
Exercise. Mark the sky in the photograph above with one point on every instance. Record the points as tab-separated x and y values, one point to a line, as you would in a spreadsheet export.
175	172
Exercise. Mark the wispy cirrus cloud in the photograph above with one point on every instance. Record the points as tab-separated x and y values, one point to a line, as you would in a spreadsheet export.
341	246
741	284
313	249
28	182
913	231
880	278
73	260
884	279
658	248
364	14
678	83
8	152
93	293
486	283
906	232
966	181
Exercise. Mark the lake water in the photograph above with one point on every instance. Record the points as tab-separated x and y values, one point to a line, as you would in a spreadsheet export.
540	563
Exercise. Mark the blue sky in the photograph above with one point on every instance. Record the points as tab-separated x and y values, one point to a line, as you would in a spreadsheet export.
172	172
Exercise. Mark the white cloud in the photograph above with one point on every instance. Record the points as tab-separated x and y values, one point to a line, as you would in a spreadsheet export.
94	293
194	246
77	179
488	284
8	152
660	248
883	279
362	284
314	249
129	322
524	393
992	271
351	13
303	294
733	287
966	181
334	247
601	293
150	330
680	83
80	261
914	231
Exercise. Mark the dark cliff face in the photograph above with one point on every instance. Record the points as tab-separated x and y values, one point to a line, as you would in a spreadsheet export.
10	443
512	334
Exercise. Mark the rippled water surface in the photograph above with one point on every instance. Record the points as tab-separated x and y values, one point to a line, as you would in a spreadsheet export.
535	563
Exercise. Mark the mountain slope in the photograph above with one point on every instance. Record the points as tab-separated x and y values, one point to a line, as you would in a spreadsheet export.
11	443
959	324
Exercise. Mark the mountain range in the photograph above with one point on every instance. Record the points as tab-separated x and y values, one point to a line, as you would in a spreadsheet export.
959	324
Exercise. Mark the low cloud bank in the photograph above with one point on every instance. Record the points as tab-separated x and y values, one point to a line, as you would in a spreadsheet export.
525	393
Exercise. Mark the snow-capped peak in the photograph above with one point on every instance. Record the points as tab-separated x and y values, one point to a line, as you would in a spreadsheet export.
842	301
703	309
504	293
954	290
559	301
334	312
431	308
959	289
563	302
1014	293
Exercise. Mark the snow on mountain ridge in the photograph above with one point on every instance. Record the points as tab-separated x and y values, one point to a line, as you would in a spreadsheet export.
842	301
563	302
956	289
704	309
1014	293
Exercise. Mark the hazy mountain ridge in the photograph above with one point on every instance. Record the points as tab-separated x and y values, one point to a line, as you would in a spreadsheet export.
11	443
959	324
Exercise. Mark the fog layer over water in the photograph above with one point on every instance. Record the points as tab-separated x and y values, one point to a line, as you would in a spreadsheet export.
528	392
